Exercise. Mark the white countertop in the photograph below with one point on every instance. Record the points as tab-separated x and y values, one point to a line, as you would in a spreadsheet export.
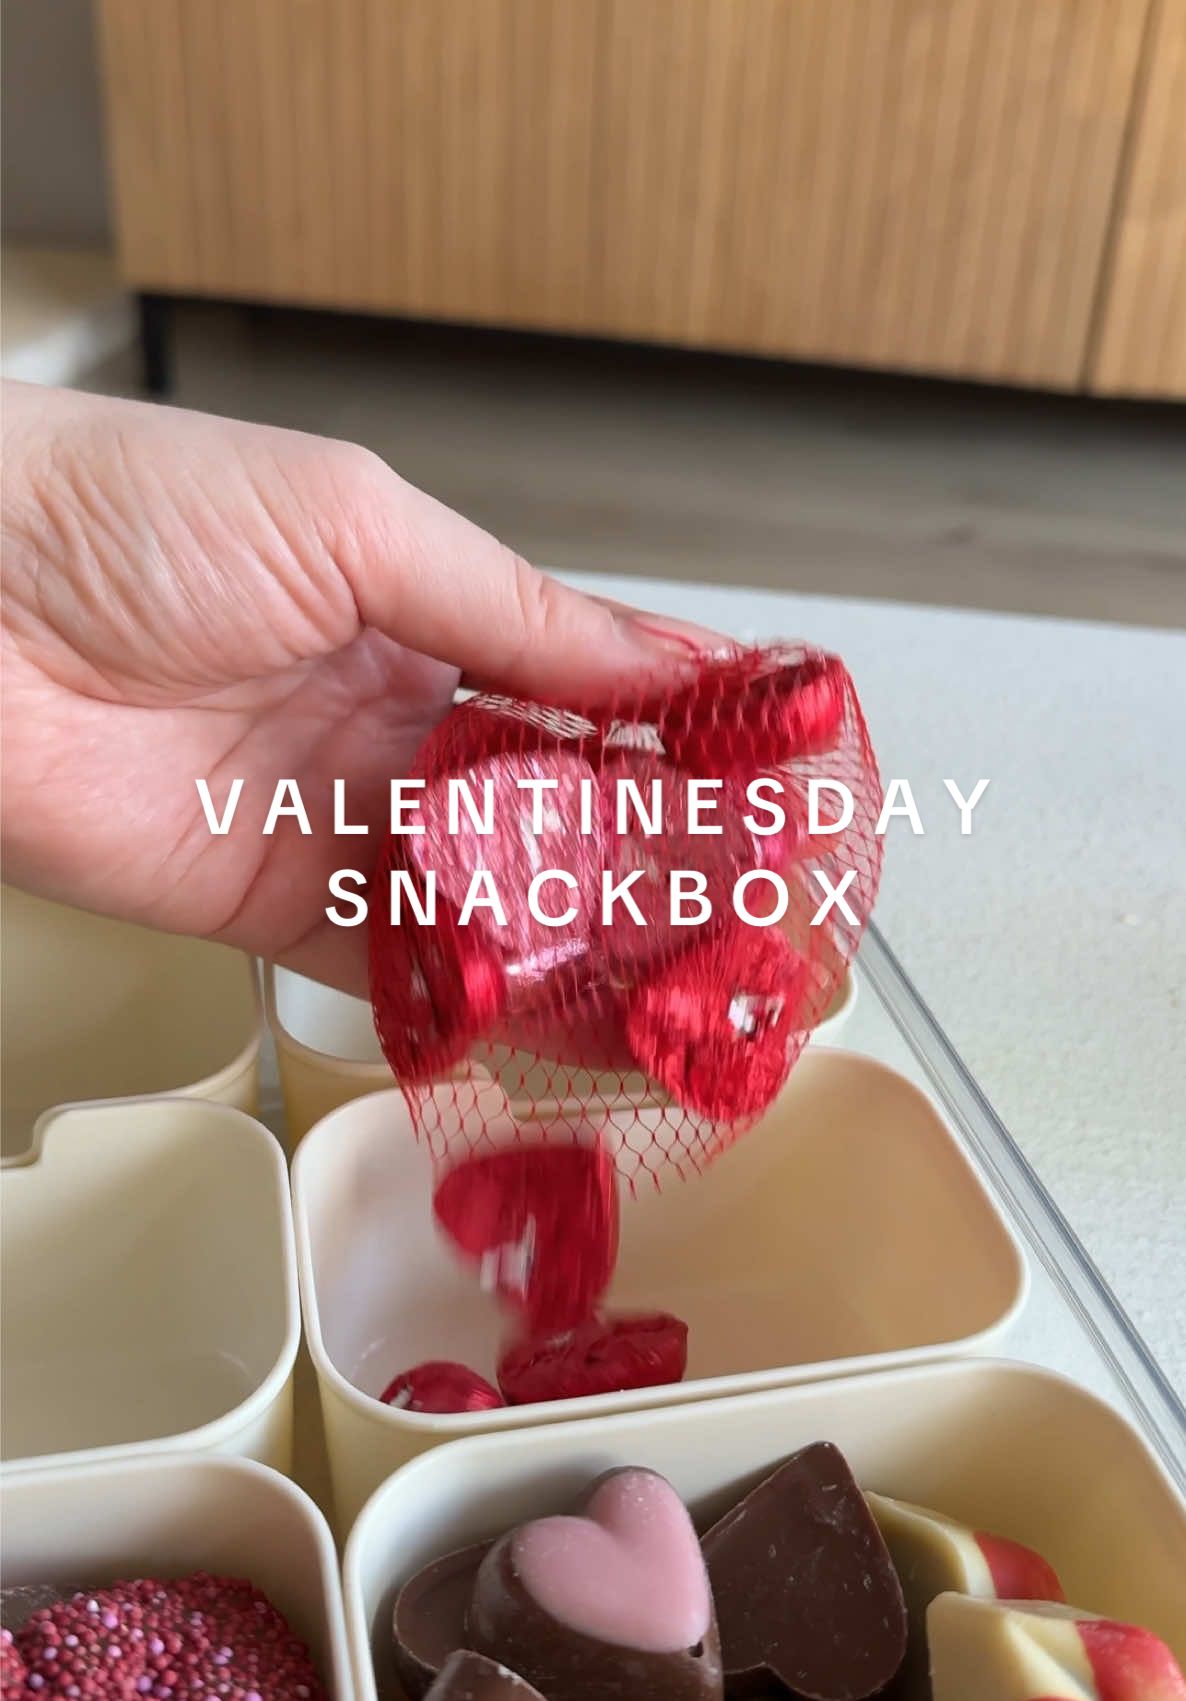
1051	944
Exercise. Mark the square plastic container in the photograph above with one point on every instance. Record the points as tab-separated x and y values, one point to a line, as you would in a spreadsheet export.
98	1009
172	1516
149	1295
1002	1446
327	1051
811	1251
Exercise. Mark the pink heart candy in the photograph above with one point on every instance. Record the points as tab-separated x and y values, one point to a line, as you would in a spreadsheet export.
629	1572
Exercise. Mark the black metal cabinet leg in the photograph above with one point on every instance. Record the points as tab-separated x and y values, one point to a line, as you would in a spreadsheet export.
156	318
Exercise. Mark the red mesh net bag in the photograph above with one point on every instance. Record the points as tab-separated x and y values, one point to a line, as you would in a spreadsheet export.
520	1006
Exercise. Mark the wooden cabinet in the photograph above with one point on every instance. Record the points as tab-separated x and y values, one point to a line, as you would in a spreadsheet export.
933	185
1141	344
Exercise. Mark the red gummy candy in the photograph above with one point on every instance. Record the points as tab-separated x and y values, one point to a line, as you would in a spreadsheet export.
440	1385
603	1356
542	1221
736	721
718	1027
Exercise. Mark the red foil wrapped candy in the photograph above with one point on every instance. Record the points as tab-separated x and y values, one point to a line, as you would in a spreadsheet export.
604	1355
440	1385
541	1222
668	1037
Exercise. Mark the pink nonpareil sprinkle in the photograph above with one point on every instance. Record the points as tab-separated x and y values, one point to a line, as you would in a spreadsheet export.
187	1637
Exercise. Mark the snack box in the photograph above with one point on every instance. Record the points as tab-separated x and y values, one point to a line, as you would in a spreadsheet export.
847	1231
149	1293
99	1009
1000	1446
169	1516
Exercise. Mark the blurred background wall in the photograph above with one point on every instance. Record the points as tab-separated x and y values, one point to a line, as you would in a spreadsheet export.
53	184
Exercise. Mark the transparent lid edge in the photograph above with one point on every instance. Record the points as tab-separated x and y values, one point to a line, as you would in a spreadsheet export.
1036	1215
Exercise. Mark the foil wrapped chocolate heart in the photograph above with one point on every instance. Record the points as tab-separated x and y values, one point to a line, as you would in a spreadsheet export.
441	1385
719	1027
452	988
749	718
541	1223
604	1355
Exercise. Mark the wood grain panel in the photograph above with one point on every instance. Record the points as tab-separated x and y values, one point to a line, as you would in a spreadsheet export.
1141	345
417	156
920	183
923	184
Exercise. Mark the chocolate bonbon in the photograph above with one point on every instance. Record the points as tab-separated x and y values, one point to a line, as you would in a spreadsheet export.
933	1554
472	1677
611	1605
983	1650
806	1592
428	1620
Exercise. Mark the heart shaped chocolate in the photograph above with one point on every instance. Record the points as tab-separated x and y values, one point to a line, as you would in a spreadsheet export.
722	1024
440	1385
428	1620
542	1223
804	1585
453	847
472	1677
734	719
610	1605
602	1356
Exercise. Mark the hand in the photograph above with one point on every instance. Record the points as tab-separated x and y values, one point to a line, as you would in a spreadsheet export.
192	597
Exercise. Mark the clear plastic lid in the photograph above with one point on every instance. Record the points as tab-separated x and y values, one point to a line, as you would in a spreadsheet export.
1072	1321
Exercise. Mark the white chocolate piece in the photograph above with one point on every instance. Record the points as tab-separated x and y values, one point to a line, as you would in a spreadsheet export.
1044	1651
932	1554
1004	1651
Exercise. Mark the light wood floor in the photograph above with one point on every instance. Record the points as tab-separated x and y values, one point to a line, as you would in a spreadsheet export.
700	468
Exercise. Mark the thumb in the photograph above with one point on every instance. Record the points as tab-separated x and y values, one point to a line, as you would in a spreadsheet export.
433	581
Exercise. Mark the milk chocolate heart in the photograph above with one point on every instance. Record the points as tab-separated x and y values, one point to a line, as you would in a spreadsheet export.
804	1585
472	1677
428	1621
610	1605
542	1223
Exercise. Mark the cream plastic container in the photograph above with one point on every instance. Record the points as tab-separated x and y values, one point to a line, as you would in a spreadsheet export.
847	1231
327	1050
1005	1447
149	1296
99	1009
172	1516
